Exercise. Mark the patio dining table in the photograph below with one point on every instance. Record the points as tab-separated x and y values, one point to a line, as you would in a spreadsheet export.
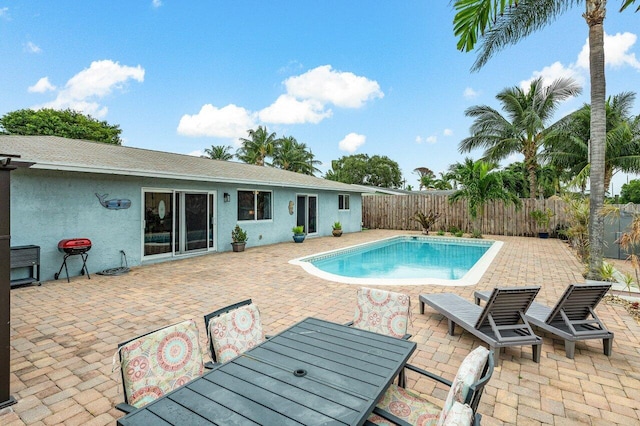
315	372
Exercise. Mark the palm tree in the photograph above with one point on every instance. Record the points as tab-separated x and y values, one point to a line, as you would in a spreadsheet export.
480	183
218	152
522	130
569	144
257	147
501	23
289	154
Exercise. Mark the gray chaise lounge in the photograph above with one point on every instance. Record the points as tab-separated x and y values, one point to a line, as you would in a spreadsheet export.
500	323
573	318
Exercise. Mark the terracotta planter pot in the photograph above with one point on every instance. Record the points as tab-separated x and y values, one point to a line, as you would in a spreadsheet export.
337	232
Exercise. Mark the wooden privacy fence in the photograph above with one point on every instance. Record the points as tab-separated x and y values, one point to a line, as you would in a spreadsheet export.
396	211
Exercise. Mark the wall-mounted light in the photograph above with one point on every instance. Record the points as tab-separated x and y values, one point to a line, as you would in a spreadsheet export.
227	197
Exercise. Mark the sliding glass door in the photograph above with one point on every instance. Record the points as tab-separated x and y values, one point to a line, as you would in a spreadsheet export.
178	222
307	213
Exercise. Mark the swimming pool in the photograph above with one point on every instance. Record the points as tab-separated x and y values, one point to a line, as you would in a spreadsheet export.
405	260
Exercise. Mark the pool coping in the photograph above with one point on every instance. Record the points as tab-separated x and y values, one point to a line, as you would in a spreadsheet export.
472	276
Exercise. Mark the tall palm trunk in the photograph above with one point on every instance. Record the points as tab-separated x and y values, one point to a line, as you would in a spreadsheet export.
594	16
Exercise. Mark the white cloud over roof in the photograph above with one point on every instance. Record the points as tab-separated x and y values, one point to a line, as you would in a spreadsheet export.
230	121
83	90
289	110
352	142
31	47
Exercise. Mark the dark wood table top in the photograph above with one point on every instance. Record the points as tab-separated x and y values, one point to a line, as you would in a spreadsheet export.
315	372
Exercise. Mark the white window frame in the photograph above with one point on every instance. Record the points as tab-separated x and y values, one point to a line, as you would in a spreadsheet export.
255	205
344	197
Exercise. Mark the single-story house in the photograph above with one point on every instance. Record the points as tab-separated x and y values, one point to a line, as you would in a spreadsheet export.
157	206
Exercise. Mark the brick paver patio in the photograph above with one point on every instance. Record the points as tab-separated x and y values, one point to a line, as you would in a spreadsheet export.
63	335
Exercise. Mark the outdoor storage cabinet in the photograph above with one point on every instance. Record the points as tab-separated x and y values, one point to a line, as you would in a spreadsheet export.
26	257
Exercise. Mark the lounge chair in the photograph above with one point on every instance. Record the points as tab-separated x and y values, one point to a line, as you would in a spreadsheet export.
159	362
383	312
399	406
572	318
500	323
233	330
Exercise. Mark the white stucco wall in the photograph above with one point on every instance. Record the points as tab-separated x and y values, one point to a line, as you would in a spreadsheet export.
48	206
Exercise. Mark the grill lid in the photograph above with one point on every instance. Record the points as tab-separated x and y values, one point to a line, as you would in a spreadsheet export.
74	243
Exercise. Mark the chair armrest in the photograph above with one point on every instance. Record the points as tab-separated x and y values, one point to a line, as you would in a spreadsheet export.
268	336
476	419
126	408
406	336
428	374
350	323
388	416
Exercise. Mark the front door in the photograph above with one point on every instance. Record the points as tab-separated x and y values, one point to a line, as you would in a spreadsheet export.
307	213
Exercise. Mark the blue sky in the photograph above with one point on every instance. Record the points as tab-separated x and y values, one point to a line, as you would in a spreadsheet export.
352	77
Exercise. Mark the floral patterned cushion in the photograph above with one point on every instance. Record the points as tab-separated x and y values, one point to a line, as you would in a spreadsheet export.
458	415
408	406
382	312
159	362
468	373
235	332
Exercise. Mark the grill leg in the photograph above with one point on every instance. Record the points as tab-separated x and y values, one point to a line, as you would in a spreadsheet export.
84	264
64	265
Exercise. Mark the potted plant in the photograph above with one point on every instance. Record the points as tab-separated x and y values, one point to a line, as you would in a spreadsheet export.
542	218
336	229
298	233
238	238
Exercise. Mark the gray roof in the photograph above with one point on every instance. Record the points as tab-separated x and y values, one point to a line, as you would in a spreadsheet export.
56	153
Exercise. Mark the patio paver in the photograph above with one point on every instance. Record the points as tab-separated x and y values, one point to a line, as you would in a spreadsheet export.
64	335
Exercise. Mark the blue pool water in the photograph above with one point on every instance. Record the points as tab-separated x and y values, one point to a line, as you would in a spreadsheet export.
402	259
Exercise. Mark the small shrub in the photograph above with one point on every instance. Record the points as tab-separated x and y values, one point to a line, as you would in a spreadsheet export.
476	234
239	235
458	233
298	229
440	232
426	220
453	229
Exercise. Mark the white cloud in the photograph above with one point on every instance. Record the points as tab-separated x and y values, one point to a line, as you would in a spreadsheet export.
419	140
469	93
352	142
99	80
196	153
156	3
553	72
616	52
431	139
4	13
289	110
447	132
230	121
343	89
31	47
43	85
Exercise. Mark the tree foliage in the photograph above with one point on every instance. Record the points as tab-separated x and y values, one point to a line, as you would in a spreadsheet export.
480	183
289	154
523	129
360	169
63	123
257	147
630	192
218	152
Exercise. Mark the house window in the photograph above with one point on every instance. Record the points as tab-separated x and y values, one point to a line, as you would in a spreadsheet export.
343	202
254	205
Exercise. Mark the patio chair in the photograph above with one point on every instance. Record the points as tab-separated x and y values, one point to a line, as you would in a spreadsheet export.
382	312
404	407
500	323
159	362
233	330
572	318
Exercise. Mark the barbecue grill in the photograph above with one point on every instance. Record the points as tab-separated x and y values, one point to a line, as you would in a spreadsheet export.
74	247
